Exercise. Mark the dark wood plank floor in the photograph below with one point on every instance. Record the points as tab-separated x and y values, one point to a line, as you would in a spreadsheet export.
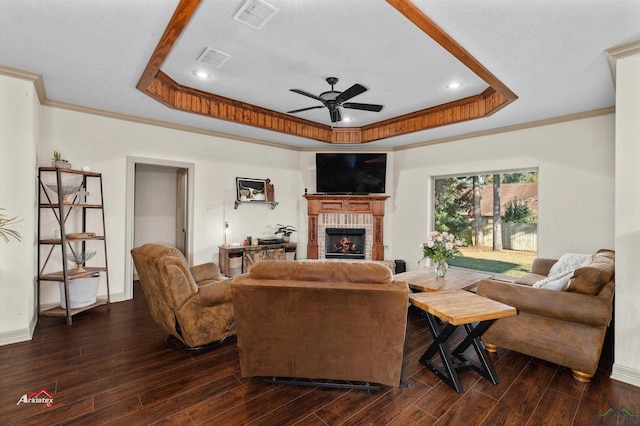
112	367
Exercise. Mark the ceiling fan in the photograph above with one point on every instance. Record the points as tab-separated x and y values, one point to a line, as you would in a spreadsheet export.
333	99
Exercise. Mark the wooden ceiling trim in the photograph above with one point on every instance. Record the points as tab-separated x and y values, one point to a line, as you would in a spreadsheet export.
161	87
169	92
419	19
346	135
179	20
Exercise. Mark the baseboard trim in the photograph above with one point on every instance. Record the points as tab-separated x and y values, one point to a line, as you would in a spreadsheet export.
16	336
26	334
626	374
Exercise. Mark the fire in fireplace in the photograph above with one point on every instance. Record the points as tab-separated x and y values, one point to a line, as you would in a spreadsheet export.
345	243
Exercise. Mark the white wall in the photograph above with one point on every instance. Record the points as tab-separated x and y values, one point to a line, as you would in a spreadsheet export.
19	110
105	143
576	168
155	204
627	330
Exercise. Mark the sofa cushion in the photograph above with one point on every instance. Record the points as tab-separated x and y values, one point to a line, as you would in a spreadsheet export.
596	271
567	262
555	282
354	272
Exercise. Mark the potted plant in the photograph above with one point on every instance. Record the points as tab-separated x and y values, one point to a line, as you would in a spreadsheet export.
5	232
286	231
59	162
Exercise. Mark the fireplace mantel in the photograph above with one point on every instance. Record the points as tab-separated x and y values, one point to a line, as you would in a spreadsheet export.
362	204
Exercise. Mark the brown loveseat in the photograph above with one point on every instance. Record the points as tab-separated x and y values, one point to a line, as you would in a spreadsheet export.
564	327
321	320
191	304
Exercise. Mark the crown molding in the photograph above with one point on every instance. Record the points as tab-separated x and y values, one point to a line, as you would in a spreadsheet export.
506	129
37	79
619	52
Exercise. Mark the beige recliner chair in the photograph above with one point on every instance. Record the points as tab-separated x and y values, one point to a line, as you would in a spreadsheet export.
193	305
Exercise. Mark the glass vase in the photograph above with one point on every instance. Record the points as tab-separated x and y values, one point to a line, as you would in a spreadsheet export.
441	268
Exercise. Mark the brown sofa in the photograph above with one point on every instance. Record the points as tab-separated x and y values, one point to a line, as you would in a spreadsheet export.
564	327
321	320
191	304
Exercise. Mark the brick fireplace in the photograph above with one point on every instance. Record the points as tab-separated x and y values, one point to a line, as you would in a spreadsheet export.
348	212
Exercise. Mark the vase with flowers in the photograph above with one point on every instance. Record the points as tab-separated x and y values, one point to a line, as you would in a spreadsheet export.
440	247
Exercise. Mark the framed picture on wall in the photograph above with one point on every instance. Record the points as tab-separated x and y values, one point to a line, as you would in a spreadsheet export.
249	189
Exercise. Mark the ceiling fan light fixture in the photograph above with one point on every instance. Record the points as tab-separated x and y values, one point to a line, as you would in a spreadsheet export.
331	95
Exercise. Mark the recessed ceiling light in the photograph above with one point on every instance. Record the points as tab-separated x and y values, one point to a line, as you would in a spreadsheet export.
201	74
454	85
346	119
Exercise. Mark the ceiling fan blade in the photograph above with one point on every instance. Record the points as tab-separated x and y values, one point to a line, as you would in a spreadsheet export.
352	91
302	92
335	115
305	109
365	107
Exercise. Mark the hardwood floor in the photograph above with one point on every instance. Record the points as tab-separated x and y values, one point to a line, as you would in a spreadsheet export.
112	367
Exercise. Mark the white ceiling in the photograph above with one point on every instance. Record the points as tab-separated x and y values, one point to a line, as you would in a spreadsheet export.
91	53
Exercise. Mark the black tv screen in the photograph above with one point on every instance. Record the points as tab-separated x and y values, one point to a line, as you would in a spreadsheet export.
358	173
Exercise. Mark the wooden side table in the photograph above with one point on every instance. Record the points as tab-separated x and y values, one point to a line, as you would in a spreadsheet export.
456	308
424	279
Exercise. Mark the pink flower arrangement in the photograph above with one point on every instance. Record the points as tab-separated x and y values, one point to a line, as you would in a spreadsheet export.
441	246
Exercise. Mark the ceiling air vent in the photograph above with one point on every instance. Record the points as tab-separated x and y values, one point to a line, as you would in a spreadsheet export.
255	13
213	57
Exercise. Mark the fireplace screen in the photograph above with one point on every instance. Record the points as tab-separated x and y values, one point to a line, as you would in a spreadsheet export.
343	243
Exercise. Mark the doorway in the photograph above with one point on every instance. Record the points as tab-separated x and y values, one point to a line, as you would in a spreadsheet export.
159	208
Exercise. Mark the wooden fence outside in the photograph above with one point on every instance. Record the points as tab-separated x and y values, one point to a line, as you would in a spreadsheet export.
515	236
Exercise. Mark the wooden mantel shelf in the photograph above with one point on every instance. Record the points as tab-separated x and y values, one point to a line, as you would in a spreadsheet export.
321	203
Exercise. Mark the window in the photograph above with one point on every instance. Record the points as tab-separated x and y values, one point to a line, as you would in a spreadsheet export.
501	236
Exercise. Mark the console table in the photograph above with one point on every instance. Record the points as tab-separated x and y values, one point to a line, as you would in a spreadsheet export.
237	260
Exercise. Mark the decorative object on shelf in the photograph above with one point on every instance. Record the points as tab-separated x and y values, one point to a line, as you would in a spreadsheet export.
82	292
82	194
65	190
80	235
248	189
286	231
271	195
59	162
5	232
440	247
79	258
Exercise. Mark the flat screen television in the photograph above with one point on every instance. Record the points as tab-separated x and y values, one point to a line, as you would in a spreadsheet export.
355	173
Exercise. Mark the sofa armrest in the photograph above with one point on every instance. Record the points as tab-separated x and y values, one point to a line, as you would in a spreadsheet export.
571	307
542	266
205	272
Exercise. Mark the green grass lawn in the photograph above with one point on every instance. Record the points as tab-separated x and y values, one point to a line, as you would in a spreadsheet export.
508	262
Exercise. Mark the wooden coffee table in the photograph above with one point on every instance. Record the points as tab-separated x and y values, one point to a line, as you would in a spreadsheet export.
459	308
424	279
